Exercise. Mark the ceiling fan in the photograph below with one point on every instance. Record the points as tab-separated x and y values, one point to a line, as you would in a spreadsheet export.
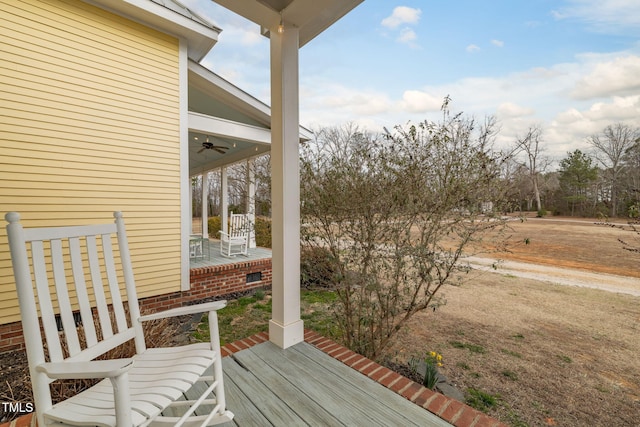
210	146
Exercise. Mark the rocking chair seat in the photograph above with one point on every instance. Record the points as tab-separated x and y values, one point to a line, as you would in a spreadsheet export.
158	377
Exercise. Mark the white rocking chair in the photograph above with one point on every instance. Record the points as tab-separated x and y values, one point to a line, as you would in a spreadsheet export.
236	240
67	264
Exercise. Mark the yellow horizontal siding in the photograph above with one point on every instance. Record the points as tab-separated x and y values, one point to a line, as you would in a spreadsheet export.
116	37
89	124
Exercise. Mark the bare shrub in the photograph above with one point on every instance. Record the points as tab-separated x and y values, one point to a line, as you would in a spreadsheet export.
395	212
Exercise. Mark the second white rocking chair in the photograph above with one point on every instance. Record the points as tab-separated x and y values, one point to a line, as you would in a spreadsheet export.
236	240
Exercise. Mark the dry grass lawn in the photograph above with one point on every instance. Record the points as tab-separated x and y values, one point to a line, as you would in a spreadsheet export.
547	354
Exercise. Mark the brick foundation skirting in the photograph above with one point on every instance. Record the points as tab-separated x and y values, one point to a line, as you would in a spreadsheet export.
455	413
206	282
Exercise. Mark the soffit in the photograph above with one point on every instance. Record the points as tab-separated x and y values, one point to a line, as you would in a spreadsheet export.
311	17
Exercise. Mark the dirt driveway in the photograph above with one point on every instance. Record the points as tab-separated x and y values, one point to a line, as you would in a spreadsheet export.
559	275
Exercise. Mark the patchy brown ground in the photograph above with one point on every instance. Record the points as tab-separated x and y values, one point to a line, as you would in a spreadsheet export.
572	243
548	354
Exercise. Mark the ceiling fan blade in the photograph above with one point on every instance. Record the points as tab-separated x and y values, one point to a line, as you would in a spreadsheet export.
219	150
201	150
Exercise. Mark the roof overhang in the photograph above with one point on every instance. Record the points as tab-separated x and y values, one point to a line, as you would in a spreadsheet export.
214	86
311	17
171	18
244	133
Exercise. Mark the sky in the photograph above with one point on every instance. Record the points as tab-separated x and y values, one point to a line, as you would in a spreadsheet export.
571	67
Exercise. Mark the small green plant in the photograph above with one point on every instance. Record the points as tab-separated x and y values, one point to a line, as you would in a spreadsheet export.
214	225
262	228
565	359
432	361
318	268
481	400
473	348
511	353
510	374
463	365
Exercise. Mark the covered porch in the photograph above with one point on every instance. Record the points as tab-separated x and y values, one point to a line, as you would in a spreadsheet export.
211	255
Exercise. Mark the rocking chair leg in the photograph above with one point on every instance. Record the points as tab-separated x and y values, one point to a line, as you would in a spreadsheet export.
122	400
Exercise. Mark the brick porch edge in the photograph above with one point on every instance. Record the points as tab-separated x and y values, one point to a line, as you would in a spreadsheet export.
450	410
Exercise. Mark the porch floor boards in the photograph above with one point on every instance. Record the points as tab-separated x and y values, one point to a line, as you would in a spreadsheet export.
212	255
302	385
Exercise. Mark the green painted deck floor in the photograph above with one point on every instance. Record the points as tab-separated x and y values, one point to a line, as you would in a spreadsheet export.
211	255
302	385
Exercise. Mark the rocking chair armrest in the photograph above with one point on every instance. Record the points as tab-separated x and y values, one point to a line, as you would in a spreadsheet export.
86	370
189	309
223	233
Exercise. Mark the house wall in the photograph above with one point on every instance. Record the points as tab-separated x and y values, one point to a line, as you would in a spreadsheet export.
89	124
206	283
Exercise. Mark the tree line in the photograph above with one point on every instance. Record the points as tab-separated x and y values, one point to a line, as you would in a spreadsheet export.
603	181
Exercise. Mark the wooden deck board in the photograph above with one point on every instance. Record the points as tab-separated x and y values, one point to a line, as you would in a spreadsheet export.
314	389
245	412
268	386
387	399
265	399
297	399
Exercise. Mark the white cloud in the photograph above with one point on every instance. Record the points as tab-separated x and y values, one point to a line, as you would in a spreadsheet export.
416	101
473	48
498	43
511	110
407	35
606	16
618	76
402	15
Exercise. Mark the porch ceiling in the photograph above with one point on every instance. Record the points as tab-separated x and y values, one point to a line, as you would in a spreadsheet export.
208	159
311	17
229	117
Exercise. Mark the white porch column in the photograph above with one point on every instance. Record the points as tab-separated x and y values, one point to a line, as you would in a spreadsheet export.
205	205
251	198
224	200
285	327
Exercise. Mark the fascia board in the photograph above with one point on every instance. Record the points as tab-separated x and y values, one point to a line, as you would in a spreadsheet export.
214	126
